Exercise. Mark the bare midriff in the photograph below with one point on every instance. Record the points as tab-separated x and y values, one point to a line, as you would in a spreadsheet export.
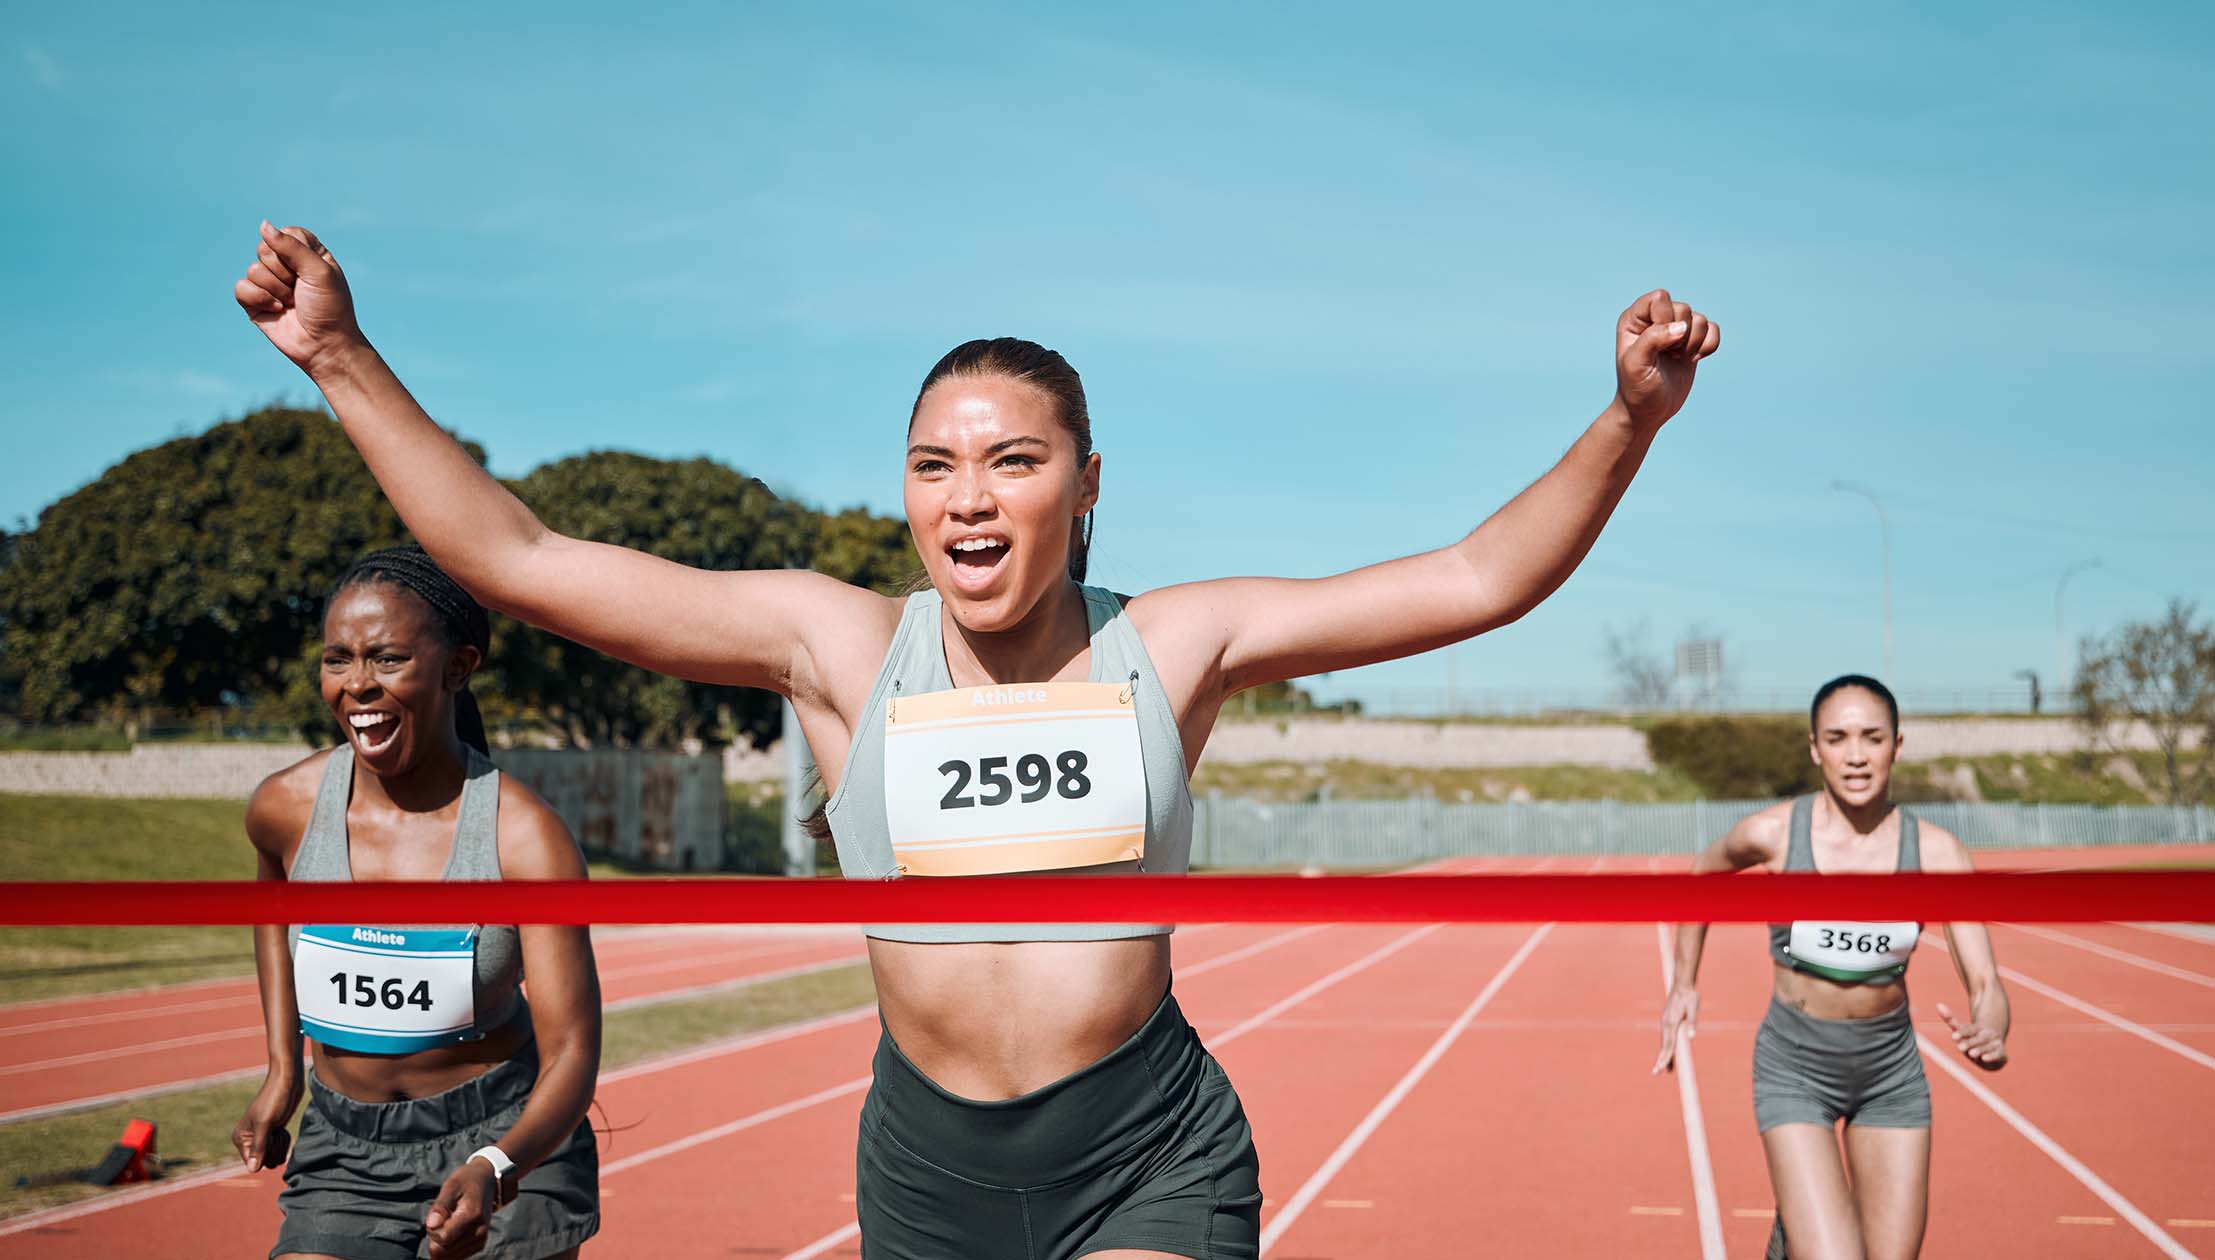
1828	999
380	1078
990	1021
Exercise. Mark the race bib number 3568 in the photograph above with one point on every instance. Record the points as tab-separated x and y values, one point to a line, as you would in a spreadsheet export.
1849	951
385	990
993	780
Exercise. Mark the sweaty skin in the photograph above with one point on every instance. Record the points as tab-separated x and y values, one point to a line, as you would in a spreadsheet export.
1874	1204
986	458
381	656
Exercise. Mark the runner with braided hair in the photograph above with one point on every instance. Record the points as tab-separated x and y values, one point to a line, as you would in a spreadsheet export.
445	1113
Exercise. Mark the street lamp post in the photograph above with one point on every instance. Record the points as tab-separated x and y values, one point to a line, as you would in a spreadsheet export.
1884	531
2061	673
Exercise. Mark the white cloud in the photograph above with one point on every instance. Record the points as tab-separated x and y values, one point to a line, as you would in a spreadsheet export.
186	382
43	69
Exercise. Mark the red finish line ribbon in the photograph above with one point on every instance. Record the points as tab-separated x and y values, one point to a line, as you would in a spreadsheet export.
2041	897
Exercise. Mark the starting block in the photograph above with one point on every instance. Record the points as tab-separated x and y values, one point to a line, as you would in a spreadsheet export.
128	1160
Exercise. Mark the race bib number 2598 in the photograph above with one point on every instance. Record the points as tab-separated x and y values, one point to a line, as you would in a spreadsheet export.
992	780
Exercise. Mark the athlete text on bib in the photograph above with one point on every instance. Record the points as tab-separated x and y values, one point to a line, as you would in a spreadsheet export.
385	990
1033	777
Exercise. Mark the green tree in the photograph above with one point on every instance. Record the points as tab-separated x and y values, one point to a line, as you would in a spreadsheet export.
695	512
192	575
2160	674
188	575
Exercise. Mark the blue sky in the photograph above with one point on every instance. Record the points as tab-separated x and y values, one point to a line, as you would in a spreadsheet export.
1339	282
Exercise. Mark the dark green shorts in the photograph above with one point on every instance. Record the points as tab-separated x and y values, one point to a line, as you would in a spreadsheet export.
1147	1148
362	1175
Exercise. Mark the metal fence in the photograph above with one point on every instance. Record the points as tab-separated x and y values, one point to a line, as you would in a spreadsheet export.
1234	831
1434	702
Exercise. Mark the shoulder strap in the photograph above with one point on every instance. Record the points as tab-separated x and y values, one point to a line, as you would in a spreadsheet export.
1911	842
477	825
1799	854
916	661
322	852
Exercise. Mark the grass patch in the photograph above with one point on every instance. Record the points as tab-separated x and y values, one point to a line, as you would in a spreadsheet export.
195	1125
2075	778
642	1031
71	837
1360	780
89	838
193	1131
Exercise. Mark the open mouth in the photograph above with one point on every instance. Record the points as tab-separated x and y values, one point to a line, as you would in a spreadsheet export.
976	559
374	732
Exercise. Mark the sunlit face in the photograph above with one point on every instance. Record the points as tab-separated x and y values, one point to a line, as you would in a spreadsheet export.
388	675
1854	745
994	489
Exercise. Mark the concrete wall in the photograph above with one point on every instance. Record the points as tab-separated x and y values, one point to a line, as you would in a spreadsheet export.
230	771
663	810
1470	744
657	809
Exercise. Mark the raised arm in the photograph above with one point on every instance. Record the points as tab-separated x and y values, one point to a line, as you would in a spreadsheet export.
1982	1038
1270	629
737	628
1753	842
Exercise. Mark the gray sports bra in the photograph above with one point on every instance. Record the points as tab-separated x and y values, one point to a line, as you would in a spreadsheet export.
322	857
1885	965
916	665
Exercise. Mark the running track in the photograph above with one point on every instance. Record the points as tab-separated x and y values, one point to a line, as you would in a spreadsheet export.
1448	1091
70	1053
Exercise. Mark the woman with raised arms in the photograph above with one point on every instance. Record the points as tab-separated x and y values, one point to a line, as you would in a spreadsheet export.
1037	1091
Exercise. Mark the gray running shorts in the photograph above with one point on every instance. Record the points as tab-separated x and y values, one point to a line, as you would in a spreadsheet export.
1820	1071
362	1174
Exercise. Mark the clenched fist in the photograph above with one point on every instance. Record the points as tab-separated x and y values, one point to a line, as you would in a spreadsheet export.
296	294
1659	343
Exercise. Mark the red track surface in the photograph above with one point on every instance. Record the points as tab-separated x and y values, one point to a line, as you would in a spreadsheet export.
1450	1091
59	1052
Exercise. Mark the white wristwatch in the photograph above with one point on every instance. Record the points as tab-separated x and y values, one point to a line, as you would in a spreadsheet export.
501	1167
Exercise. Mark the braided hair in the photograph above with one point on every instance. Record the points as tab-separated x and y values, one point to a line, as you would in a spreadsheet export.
462	621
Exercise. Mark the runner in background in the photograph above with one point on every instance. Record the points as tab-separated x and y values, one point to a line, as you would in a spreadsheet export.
1838	1043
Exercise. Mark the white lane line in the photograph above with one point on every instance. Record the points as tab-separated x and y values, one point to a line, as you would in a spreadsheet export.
120	1198
1695	1122
2197	933
245	998
1244	952
69	1105
745	1041
712	987
124	1052
2132	1027
851	1229
2119	955
109	995
1223	1038
2069	1163
764	1116
707	958
1313	1186
1356	967
726	1046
